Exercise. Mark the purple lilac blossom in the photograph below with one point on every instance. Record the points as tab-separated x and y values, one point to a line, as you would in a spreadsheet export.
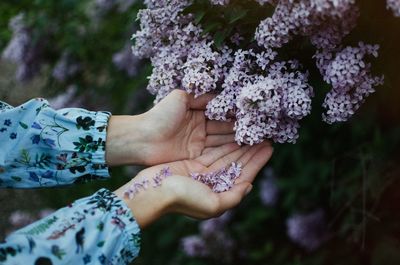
308	230
23	50
221	180
219	2
269	190
214	225
65	68
325	21
194	246
267	98
351	80
394	6
125	61
67	99
21	218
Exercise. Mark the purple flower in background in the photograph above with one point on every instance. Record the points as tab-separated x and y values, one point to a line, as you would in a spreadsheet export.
269	191
125	61
23	50
308	230
214	225
65	68
45	212
194	246
394	6
69	98
20	218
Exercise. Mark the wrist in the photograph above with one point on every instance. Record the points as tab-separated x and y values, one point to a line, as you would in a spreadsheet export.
148	205
126	140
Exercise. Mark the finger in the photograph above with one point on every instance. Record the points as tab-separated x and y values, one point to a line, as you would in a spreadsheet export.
219	127
231	198
228	159
255	164
200	102
216	153
217	140
245	158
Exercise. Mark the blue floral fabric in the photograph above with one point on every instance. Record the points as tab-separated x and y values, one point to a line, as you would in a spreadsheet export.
42	147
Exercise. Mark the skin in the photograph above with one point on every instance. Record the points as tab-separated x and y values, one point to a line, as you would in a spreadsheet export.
176	133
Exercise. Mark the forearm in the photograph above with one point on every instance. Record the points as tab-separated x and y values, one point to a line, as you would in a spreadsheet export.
98	229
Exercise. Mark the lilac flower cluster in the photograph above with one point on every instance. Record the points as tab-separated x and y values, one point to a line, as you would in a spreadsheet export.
125	61
21	218
326	22
269	190
212	241
265	96
394	6
220	180
65	68
350	78
133	189
23	50
308	230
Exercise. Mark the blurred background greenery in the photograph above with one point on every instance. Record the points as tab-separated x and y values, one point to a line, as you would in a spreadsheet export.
351	171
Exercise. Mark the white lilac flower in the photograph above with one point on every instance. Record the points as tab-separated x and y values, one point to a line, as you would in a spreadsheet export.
308	230
69	98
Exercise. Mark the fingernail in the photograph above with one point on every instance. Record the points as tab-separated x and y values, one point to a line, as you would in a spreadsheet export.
249	188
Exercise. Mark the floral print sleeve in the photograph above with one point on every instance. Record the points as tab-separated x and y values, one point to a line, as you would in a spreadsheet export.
43	147
99	229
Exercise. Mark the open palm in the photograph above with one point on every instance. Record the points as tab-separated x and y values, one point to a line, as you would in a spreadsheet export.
180	130
196	199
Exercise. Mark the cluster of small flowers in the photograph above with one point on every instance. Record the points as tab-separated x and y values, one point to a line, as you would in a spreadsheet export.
22	218
212	241
220	180
350	78
125	61
308	230
394	5
137	186
269	191
65	68
23	50
220	2
267	97
69	98
325	22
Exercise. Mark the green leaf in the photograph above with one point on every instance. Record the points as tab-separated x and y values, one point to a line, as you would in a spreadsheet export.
211	26
237	14
199	16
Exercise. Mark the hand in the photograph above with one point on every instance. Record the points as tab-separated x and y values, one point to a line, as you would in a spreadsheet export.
181	194
174	129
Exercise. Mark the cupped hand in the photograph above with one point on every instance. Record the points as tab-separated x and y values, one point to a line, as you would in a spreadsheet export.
181	194
174	129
